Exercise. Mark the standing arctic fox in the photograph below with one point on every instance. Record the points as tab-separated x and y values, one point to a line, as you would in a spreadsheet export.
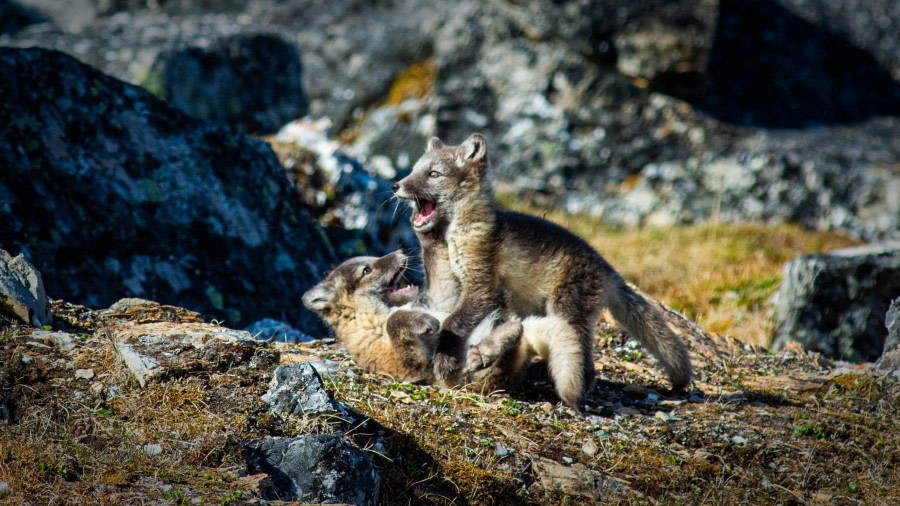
527	265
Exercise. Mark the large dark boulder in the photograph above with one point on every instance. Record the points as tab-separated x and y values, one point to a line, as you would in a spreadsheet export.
248	81
110	193
315	469
14	16
836	303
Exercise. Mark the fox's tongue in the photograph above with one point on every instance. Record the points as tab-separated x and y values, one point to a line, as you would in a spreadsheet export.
424	213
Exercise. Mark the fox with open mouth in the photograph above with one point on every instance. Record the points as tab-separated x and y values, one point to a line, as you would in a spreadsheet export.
526	266
378	316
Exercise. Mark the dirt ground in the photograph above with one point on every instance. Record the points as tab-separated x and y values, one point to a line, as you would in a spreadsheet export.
758	428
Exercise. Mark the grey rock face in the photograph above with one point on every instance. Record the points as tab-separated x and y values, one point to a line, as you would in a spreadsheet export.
890	358
250	81
297	389
315	469
353	199
112	193
22	291
836	303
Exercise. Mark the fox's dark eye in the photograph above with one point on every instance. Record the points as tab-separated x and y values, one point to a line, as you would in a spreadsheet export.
434	173
366	270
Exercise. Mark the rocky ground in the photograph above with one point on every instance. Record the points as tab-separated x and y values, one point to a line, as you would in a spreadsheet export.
84	425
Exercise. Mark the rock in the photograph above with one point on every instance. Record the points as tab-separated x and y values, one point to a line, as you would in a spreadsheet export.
270	329
22	291
784	63
250	81
4	487
835	303
63	340
347	193
315	469
15	17
210	220
5	411
297	389
578	481
85	374
890	357
152	349
152	450
589	448
393	136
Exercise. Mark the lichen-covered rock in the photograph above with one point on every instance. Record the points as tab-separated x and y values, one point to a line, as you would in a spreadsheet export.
155	341
249	81
890	357
836	303
22	290
343	192
110	192
315	469
297	389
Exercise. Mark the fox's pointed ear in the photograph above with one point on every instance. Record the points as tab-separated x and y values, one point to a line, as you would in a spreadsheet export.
474	148
319	298
433	143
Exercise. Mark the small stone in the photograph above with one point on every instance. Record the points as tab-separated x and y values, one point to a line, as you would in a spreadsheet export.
27	359
546	407
4	487
589	448
635	390
627	411
568	460
96	388
85	374
738	440
665	417
152	449
501	451
298	389
653	398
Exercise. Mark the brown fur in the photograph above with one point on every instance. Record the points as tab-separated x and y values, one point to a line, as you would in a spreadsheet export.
357	306
529	266
390	335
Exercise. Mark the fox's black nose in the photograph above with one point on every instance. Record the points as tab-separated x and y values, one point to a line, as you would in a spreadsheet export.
395	187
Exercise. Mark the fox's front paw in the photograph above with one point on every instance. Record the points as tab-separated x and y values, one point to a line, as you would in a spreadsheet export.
424	326
445	365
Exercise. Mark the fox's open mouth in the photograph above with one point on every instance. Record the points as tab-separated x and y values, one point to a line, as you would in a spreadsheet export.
399	289
424	212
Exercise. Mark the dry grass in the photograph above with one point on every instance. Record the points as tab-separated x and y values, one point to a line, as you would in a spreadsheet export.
722	276
765	429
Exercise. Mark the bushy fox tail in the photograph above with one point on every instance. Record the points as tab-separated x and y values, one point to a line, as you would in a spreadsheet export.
643	322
